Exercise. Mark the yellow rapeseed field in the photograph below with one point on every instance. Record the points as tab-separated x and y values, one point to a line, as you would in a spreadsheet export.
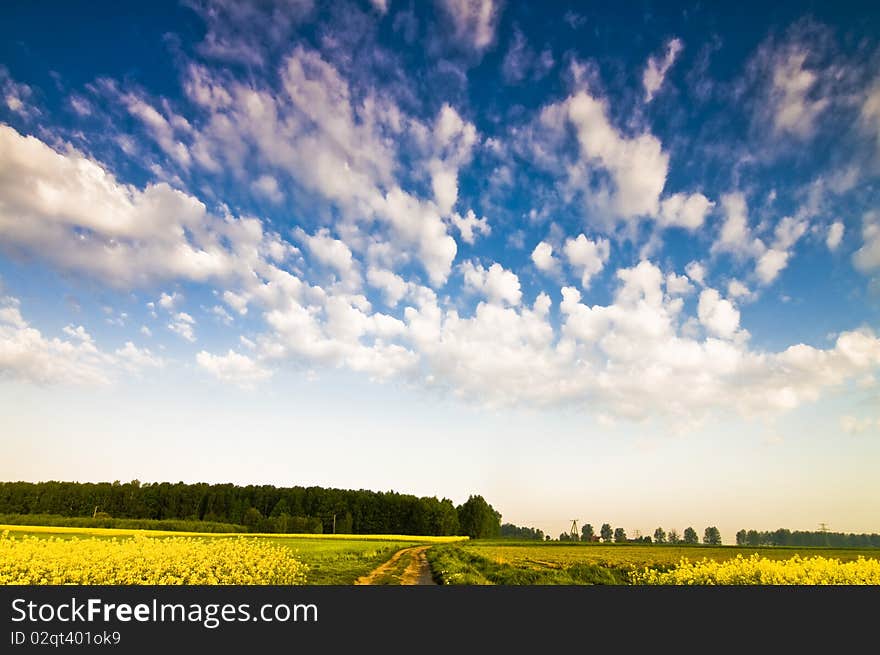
143	560
125	532
757	570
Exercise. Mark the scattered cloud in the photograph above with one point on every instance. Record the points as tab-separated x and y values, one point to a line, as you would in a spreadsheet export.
496	284
587	257
183	325
234	368
835	235
473	22
656	68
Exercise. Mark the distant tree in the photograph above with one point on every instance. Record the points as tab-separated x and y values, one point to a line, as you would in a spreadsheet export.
690	536
252	518
587	533
478	520
605	532
646	539
712	536
659	536
516	532
547	538
564	536
753	538
673	536
619	535
741	538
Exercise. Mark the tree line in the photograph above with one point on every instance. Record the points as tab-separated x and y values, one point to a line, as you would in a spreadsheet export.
607	534
256	508
784	537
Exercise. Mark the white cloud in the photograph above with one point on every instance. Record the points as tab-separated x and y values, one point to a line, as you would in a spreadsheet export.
543	258
473	21
682	210
317	130
770	264
393	287
332	253
867	258
169	302
222	315
637	166
234	368
717	314
736	289
736	235
496	284
25	354
380	5
147	332
835	235
678	285
772	261
182	324
444	182
788	231
697	272
869	115
16	96
159	127
267	186
656	69
82	219
587	257
521	61
469	225
794	110
134	359
452	146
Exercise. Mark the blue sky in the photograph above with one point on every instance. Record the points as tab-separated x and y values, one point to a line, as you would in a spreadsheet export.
562	255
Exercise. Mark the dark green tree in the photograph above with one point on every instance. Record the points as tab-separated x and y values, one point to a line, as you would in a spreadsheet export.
741	538
690	536
478	519
659	536
673	536
252	519
605	532
587	532
619	535
711	536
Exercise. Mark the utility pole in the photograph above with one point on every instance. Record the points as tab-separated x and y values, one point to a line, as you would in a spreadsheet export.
334	524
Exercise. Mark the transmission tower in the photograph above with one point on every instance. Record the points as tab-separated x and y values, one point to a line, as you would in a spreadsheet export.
574	530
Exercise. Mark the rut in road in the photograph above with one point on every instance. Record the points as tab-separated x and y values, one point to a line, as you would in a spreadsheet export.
406	567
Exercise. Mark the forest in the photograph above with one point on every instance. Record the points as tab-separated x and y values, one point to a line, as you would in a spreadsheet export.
253	508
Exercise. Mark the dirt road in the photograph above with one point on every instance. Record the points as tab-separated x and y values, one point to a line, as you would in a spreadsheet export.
406	567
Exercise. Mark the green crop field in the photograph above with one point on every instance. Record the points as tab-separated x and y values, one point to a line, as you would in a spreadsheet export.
518	563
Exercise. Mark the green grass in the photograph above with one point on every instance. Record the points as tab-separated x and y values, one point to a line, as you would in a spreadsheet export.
338	561
544	563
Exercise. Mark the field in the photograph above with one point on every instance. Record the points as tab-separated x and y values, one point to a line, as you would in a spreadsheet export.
524	563
70	555
327	559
